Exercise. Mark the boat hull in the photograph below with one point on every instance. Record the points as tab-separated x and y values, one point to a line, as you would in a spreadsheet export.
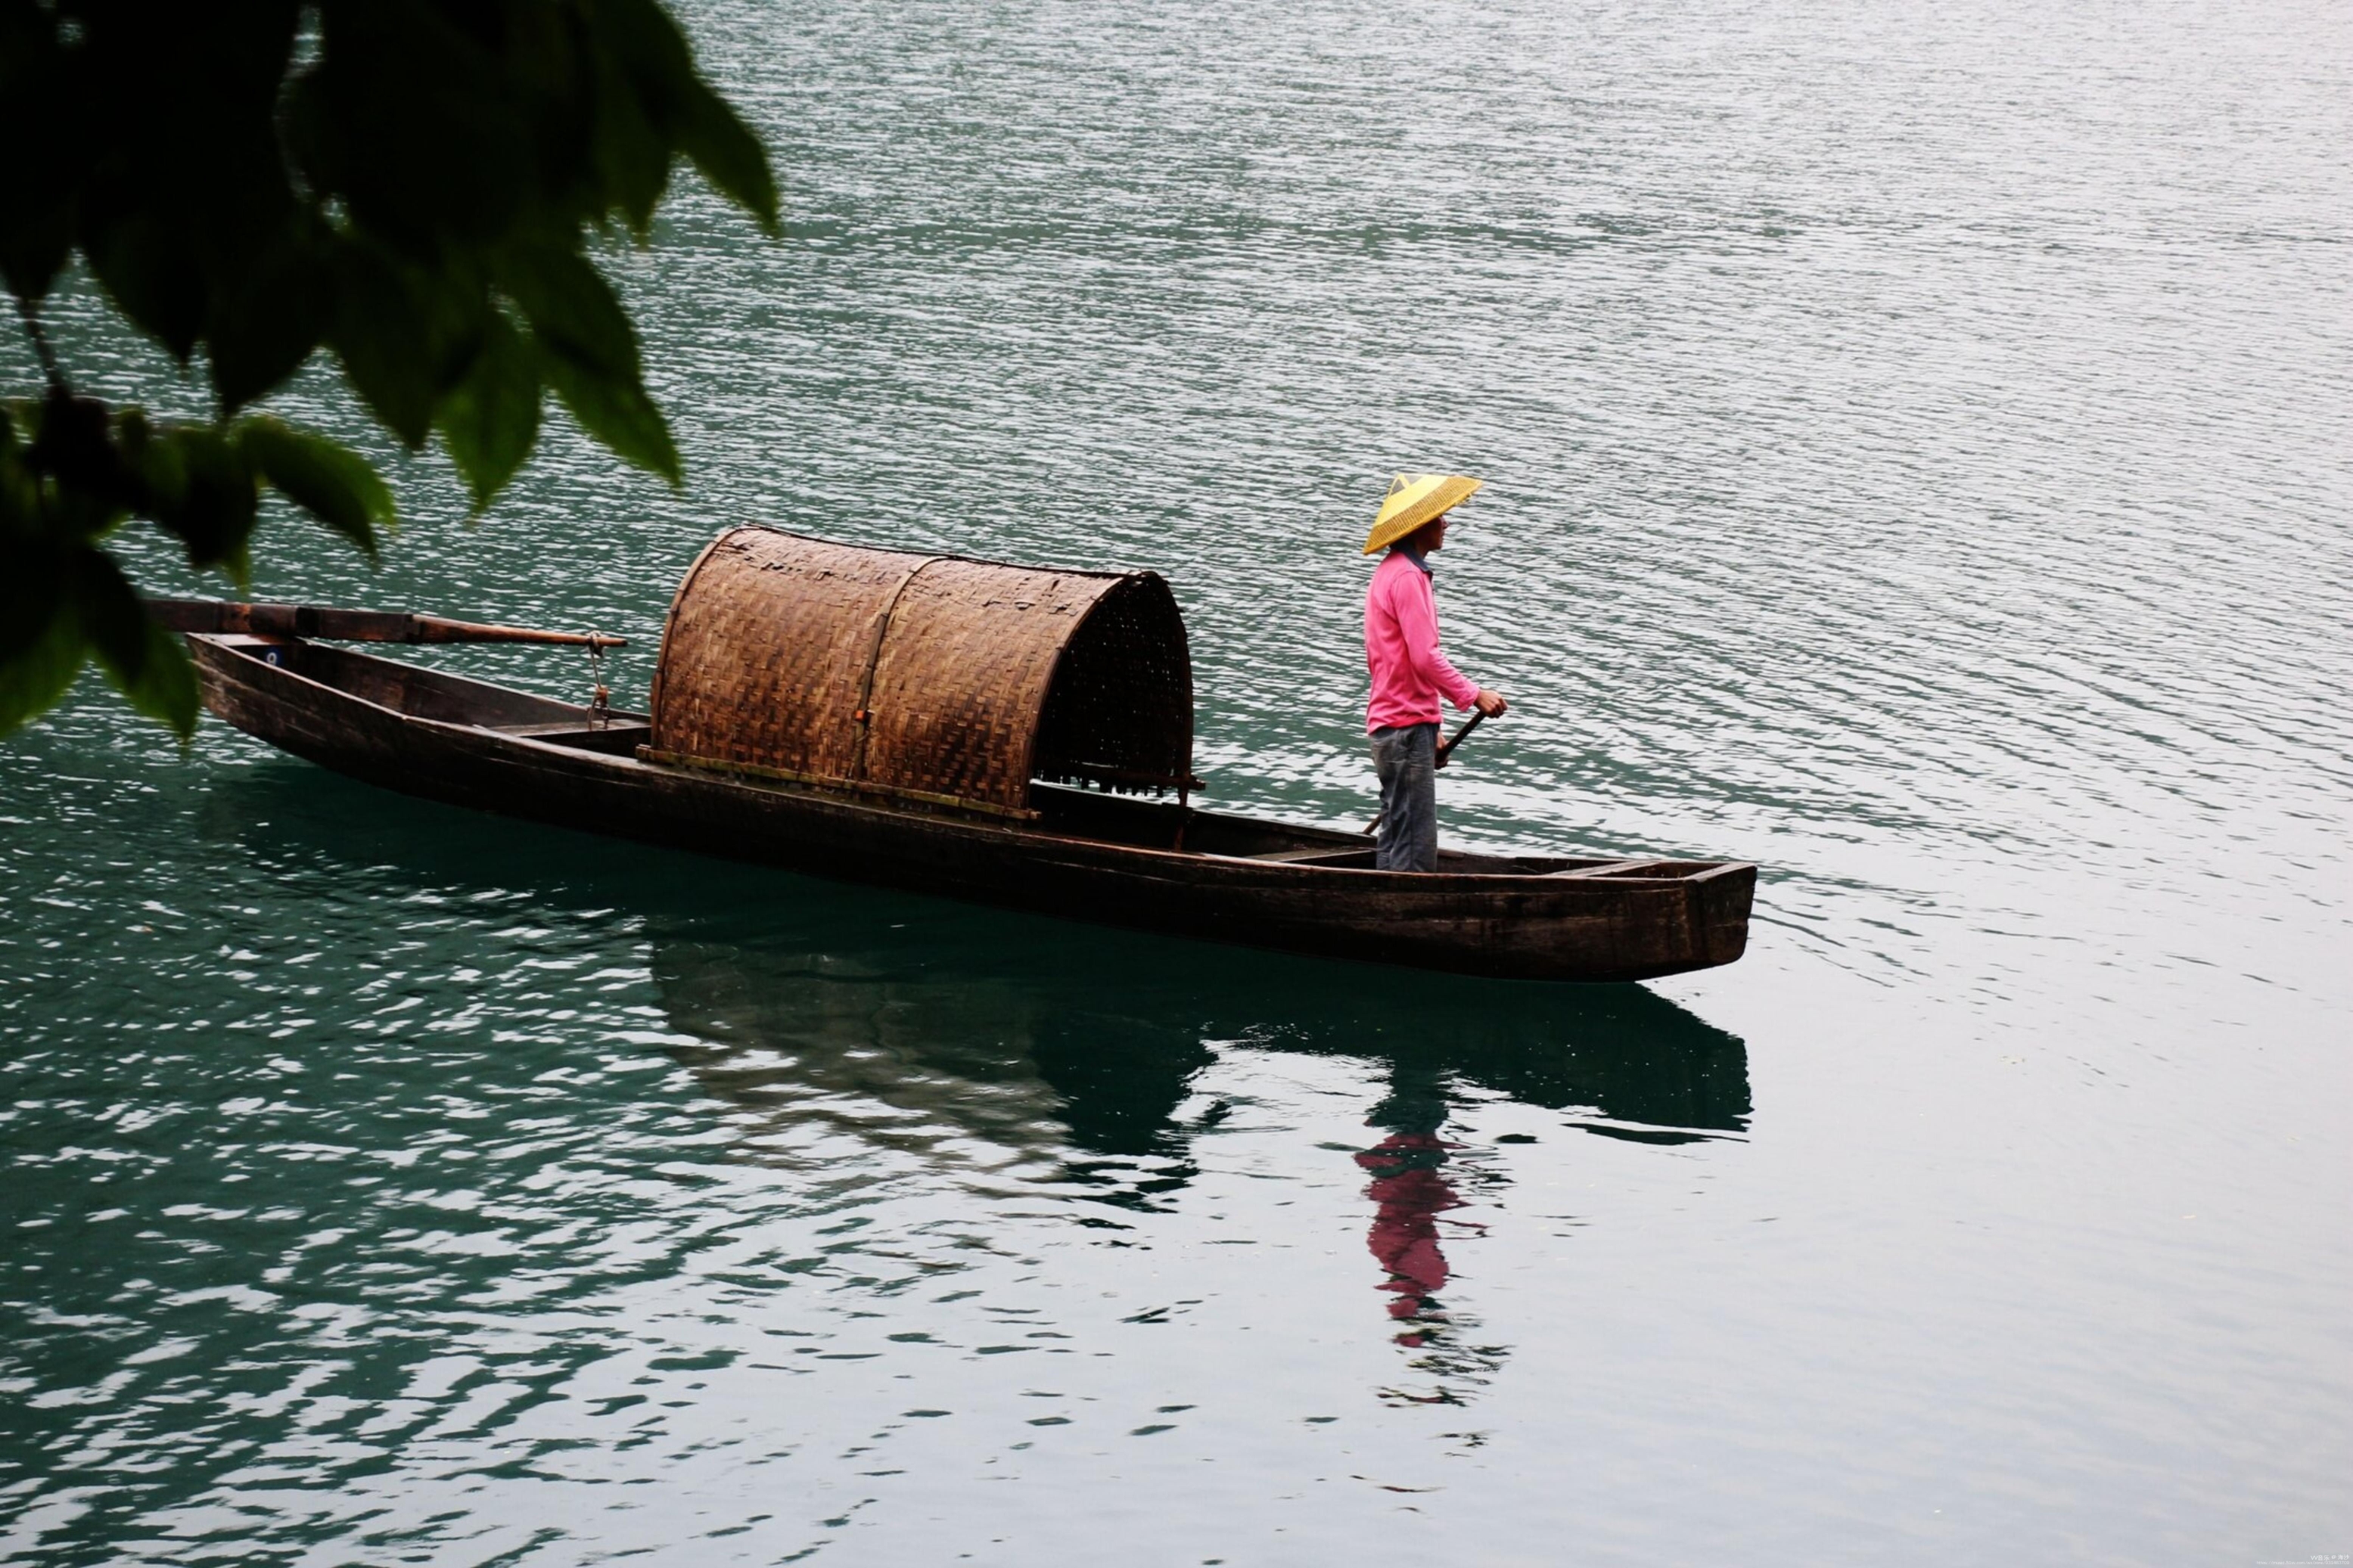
440	737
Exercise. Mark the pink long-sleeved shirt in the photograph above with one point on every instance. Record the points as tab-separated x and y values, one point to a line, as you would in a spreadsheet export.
1409	673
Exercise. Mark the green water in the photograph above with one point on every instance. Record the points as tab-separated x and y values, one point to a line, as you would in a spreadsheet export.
1917	454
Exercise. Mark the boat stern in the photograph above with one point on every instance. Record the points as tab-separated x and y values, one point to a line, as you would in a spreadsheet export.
1718	902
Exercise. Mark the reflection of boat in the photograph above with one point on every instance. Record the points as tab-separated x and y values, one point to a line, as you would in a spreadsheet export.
1086	1035
851	1033
973	1045
980	1072
1092	1039
921	722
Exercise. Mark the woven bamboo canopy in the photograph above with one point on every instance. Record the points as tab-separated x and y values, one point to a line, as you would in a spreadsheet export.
925	677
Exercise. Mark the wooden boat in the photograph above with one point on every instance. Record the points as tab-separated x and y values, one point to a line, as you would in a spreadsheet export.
985	732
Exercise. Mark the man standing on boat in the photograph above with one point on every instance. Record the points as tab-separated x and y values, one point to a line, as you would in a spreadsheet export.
1409	673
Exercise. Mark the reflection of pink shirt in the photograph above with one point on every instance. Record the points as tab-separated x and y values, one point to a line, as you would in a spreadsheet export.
1405	1229
1401	647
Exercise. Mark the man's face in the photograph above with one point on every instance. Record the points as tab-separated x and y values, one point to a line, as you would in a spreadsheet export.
1433	534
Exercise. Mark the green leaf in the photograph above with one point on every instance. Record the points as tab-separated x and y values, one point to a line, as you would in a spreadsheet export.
268	322
588	352
201	492
386	177
631	153
378	332
333	483
729	156
73	440
414	116
144	257
699	122
37	179
492	420
572	308
405	332
34	676
164	683
147	664
616	410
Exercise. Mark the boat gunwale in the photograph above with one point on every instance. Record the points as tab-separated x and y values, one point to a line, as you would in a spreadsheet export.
245	646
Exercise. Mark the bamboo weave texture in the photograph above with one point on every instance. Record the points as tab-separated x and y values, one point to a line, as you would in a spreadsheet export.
931	674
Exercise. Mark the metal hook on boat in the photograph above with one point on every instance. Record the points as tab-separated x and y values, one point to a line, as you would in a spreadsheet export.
600	696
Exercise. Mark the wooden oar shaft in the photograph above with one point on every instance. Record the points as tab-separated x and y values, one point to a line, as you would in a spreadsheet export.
1445	749
350	625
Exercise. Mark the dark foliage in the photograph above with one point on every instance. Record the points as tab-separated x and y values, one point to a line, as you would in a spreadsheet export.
407	185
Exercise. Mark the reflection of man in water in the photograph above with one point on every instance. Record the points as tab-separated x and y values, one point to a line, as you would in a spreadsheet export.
1410	1191
1411	1196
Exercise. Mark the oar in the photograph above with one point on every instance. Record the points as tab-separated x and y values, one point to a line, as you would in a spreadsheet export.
1445	749
351	626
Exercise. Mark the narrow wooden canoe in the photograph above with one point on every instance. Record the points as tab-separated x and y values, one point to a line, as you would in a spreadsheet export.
1155	864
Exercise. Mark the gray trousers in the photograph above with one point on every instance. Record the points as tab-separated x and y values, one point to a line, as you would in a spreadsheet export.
1406	758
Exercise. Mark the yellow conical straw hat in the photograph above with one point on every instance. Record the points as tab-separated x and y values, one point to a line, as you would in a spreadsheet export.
1413	500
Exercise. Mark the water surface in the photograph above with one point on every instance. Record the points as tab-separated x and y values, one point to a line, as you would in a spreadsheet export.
1918	462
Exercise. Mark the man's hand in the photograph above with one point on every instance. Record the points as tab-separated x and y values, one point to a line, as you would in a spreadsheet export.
1490	703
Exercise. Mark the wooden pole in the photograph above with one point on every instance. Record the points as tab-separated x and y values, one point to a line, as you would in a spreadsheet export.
1458	736
1445	749
351	626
